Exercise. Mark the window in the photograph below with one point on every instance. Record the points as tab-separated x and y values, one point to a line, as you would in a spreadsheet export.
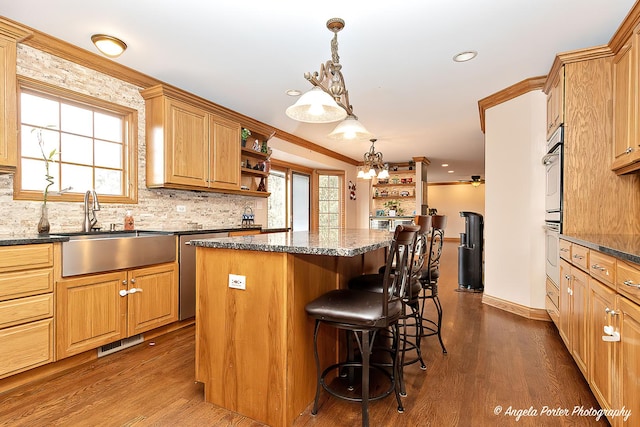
95	144
330	200
277	201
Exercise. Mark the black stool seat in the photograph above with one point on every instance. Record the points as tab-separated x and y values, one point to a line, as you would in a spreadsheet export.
354	308
373	283
363	314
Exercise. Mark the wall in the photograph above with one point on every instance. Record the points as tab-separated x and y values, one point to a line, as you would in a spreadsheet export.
514	200
156	208
451	199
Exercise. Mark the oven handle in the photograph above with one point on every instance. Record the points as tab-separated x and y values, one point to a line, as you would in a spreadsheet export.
553	227
549	158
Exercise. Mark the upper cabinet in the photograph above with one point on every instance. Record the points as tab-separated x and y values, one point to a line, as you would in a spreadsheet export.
10	34
189	145
555	103
626	138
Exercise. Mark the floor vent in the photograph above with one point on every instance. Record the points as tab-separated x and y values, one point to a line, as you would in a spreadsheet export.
120	345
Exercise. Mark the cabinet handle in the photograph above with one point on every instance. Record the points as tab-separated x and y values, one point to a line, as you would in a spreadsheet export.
597	267
631	284
610	312
564	250
576	256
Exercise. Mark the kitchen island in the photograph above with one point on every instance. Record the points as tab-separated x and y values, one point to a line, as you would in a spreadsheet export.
254	342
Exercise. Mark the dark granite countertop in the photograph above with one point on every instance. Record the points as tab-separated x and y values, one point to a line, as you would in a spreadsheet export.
16	240
7	240
623	246
349	242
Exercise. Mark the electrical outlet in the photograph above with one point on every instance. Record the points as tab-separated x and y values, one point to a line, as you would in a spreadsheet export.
237	282
181	208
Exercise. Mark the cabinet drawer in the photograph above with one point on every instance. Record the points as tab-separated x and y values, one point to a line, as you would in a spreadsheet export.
553	293
23	310
25	283
552	310
26	346
628	280
565	250
603	268
580	256
23	257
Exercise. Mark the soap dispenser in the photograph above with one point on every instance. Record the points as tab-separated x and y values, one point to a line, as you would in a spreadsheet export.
128	221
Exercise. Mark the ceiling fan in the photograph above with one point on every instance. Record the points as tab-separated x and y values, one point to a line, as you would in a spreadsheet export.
475	180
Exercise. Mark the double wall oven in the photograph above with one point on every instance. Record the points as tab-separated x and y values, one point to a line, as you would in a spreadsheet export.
553	163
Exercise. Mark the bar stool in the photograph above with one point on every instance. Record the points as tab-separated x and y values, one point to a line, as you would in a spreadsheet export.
411	314
364	314
428	278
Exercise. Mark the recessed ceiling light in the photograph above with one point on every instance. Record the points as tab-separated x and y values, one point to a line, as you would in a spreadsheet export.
293	92
444	165
465	56
451	171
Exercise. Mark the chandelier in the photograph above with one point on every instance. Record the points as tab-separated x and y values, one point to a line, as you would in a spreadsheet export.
373	164
328	100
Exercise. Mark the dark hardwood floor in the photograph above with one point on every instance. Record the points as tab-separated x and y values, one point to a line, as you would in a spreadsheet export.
495	359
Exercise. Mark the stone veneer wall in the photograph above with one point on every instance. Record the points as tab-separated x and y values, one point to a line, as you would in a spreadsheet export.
156	208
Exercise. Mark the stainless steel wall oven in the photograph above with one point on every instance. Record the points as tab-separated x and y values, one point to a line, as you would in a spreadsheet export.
553	162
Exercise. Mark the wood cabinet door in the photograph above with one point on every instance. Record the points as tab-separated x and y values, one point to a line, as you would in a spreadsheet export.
602	300
224	153
579	319
8	106
625	95
628	362
564	306
555	103
155	300
90	312
186	153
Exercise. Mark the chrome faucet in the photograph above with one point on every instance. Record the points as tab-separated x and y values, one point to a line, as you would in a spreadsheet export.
90	219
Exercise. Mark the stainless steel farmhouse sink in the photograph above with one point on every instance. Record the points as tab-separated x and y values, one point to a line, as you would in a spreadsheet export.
97	252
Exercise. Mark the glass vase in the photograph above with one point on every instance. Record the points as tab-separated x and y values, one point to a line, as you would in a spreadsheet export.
43	224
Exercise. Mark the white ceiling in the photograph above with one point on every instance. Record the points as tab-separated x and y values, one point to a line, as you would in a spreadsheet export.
396	58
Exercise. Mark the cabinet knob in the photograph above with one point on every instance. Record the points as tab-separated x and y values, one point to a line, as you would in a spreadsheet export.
124	283
133	280
628	150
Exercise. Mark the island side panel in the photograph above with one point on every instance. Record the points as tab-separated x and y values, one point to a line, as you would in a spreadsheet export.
310	276
241	334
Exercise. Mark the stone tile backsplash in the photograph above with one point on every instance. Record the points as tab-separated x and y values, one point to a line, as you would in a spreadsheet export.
156	208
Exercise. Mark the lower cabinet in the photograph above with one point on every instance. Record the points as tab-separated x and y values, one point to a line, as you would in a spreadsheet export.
628	364
573	312
606	341
602	302
98	309
26	307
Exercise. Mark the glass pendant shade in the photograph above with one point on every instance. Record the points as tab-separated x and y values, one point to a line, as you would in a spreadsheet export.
316	106
350	129
360	174
384	174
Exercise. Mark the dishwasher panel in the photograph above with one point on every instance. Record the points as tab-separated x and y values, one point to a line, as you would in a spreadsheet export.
188	273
